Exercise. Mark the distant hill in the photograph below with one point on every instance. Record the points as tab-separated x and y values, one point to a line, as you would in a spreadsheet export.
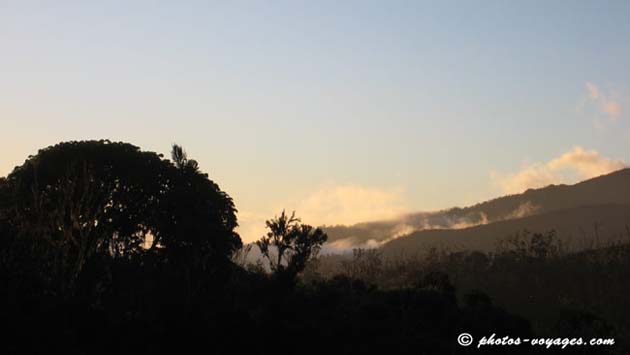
612	190
579	227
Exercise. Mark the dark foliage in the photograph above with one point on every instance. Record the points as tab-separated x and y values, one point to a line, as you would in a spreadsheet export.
562	293
80	203
107	249
289	245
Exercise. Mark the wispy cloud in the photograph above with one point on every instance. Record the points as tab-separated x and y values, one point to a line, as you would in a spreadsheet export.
606	102
576	164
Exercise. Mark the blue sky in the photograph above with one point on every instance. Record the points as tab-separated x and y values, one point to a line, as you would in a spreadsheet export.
343	110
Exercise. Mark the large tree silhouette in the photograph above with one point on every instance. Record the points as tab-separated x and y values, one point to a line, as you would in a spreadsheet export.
76	200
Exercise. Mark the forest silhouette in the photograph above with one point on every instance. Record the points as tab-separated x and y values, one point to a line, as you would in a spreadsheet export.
105	248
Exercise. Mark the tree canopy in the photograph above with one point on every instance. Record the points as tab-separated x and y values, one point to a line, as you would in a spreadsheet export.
75	200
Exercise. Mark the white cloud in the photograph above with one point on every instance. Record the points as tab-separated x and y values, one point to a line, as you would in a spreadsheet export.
588	163
606	102
570	167
350	204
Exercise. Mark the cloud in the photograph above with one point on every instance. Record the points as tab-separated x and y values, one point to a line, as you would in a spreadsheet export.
331	204
251	225
349	204
570	167
587	163
606	103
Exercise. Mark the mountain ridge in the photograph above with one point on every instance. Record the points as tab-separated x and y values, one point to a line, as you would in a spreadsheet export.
578	228
612	188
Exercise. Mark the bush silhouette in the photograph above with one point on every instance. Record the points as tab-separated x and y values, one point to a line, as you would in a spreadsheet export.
289	245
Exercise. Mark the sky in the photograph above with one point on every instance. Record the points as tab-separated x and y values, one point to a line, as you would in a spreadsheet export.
345	111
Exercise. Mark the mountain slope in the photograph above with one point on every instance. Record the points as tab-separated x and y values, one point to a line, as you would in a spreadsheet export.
613	188
579	227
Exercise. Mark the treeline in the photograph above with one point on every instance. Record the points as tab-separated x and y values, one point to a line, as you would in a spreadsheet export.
105	249
534	275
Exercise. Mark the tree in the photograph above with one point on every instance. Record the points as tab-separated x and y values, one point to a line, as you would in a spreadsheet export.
75	200
180	159
289	245
200	238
